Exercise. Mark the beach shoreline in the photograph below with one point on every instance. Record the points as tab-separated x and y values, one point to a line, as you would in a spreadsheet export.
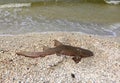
102	67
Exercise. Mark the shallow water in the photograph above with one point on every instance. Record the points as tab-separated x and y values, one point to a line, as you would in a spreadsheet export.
90	18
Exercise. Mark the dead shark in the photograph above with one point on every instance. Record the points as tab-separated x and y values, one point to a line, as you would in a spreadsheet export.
60	49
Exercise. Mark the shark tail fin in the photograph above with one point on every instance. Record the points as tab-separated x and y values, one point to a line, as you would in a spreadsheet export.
29	54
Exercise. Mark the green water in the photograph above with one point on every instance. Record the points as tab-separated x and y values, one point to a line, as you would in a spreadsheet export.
31	1
87	17
82	12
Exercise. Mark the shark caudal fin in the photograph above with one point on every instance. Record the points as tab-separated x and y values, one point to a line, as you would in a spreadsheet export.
57	43
29	54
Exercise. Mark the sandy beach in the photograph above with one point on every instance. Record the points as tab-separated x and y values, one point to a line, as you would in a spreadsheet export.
103	67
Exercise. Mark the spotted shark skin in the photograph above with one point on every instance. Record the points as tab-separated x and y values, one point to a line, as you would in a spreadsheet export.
60	49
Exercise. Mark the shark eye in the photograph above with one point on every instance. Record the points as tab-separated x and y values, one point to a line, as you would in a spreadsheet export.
78	50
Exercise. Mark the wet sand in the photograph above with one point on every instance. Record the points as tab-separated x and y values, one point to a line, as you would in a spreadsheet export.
103	67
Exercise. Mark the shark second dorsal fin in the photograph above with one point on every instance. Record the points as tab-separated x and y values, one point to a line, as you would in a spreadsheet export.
57	43
45	48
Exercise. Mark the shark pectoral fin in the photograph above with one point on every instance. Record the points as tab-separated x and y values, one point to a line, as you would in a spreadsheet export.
76	59
57	43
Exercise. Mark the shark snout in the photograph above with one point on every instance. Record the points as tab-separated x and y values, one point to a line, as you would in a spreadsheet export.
90	53
87	53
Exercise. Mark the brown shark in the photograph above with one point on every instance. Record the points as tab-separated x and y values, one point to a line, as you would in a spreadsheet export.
60	49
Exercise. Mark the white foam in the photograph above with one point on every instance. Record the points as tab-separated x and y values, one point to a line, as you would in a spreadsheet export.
15	5
114	26
113	2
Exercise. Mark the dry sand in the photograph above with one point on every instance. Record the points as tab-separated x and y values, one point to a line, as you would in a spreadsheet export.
103	67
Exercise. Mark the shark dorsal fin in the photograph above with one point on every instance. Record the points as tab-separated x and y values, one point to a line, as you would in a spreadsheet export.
57	43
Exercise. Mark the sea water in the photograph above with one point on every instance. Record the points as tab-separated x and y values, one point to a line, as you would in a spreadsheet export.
86	17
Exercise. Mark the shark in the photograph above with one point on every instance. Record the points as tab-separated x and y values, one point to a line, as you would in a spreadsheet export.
60	49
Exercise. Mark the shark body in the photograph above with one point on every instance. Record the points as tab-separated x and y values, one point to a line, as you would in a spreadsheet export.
60	49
